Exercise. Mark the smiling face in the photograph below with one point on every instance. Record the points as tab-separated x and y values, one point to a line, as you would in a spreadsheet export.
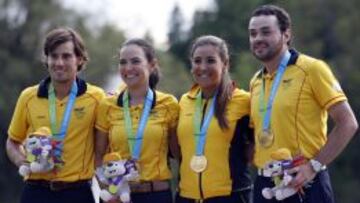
266	39
62	63
134	67
207	67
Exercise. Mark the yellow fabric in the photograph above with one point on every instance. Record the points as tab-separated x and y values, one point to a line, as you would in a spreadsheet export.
32	112
215	180
299	115
281	154
113	156
154	152
42	131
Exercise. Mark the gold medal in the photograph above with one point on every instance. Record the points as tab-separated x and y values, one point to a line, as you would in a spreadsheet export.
30	158
266	138
198	163
112	189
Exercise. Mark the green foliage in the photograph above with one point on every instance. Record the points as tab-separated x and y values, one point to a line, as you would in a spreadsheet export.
23	25
175	76
324	29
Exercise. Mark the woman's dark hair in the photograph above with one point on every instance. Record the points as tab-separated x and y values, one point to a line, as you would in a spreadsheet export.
150	56
226	86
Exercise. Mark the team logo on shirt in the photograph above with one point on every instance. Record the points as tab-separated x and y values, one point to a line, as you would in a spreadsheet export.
287	83
79	112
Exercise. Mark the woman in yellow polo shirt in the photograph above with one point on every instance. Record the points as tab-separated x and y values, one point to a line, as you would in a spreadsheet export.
138	122
215	141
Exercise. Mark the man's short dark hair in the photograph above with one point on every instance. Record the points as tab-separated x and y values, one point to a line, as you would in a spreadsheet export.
62	35
282	16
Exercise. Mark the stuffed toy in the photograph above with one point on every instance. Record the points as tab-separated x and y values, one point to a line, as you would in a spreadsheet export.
277	169
116	173
38	150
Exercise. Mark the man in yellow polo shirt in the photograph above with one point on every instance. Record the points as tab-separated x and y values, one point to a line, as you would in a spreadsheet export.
291	97
66	104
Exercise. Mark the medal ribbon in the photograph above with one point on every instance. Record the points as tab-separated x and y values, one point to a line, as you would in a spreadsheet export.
200	131
136	142
59	135
267	108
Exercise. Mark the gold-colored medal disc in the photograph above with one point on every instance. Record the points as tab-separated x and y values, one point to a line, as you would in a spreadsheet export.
113	189
198	163
266	138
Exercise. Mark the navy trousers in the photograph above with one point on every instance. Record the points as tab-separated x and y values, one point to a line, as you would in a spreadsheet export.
41	194
158	197
243	196
319	191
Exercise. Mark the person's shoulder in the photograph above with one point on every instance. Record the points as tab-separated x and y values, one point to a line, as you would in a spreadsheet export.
310	64
30	91
165	98
240	95
95	91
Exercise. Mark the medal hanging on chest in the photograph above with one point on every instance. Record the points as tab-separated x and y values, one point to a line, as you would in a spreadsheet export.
135	141
198	162
265	135
58	135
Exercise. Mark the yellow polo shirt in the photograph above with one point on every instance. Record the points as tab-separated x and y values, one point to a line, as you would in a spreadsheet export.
153	159
299	114
216	179
32	112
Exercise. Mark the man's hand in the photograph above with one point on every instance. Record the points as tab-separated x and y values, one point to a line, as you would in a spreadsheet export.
304	174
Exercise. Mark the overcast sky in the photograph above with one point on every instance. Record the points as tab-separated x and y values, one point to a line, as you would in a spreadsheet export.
135	17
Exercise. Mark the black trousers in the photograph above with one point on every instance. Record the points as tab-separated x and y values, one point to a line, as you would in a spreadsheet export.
40	194
158	197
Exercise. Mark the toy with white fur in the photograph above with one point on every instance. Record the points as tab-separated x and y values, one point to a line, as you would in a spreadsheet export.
116	173
38	151
277	169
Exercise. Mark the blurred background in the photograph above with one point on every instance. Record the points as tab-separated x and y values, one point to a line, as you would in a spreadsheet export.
325	29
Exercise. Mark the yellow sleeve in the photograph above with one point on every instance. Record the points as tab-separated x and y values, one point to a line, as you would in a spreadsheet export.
251	86
239	105
326	88
19	123
102	123
173	114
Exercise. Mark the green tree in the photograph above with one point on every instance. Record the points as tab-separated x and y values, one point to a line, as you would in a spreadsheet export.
23	25
324	29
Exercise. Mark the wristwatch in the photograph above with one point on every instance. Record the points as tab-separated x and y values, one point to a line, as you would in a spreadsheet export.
316	165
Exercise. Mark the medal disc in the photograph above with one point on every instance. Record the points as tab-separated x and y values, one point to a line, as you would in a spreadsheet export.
30	158
112	189
266	138
198	163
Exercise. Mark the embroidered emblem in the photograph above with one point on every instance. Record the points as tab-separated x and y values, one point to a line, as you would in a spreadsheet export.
79	112
287	83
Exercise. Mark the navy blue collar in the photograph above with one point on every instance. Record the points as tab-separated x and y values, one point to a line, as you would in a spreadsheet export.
293	58
44	87
120	99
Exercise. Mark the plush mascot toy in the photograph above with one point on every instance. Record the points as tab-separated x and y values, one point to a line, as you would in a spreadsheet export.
116	173
277	169
38	151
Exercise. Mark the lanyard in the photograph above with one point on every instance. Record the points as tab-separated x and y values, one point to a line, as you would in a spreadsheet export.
267	108
200	131
136	142
59	134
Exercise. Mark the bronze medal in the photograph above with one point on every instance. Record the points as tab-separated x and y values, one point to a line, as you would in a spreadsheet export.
266	138
198	163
